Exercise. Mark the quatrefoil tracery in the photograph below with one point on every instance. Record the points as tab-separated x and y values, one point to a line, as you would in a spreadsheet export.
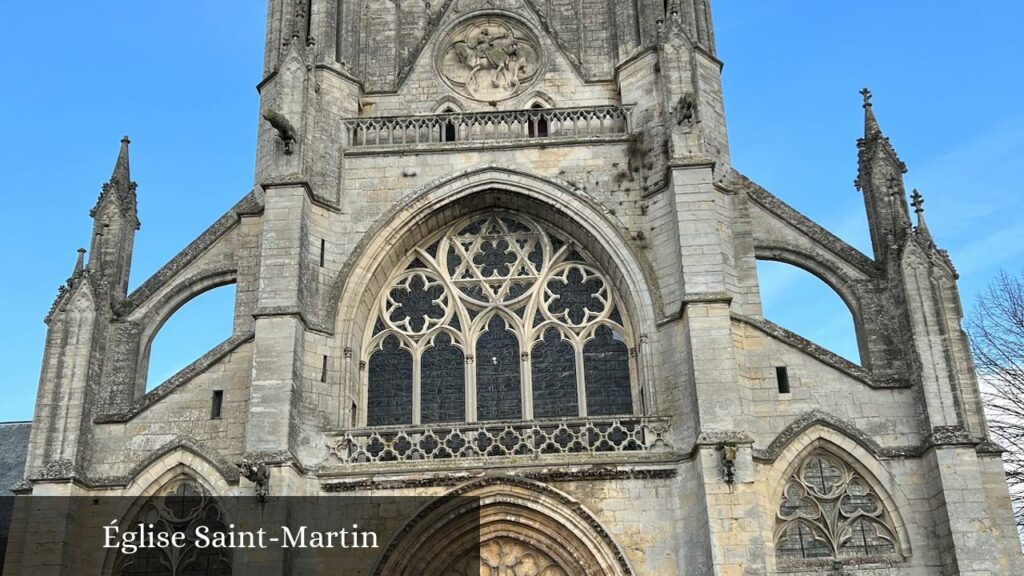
828	510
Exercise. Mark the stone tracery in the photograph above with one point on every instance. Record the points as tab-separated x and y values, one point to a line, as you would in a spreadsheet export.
518	304
829	510
181	506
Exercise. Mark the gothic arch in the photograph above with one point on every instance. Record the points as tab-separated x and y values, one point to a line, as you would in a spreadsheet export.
833	277
179	457
180	498
489	517
153	316
452	197
849	448
437	205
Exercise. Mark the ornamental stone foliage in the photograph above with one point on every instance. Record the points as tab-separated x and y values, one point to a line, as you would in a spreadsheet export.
506	557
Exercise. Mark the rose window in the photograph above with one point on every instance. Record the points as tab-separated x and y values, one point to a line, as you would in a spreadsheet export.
499	318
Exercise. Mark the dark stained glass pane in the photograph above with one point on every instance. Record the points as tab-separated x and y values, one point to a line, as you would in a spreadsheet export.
574	297
606	371
442	382
389	400
497	373
800	541
554	377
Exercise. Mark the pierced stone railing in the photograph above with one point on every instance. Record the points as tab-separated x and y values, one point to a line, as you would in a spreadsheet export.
539	123
496	440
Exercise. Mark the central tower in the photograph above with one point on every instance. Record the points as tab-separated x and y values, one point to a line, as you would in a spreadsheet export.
498	249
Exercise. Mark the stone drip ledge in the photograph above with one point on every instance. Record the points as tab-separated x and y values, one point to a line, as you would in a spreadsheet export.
486	145
66	471
329	470
942	436
546	475
178	380
823	355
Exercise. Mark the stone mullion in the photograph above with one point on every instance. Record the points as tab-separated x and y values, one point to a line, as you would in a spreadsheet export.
526	379
636	386
581	380
417	393
471	383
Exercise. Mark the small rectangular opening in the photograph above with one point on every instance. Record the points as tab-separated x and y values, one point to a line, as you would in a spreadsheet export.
323	370
217	404
782	376
323	251
352	415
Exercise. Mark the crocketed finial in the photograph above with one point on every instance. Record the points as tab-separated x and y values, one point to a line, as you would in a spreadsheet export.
871	127
80	263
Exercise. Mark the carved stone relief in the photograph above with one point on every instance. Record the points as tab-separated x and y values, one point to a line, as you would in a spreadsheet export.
506	557
490	58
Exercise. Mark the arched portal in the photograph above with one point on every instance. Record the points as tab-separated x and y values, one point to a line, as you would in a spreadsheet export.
504	527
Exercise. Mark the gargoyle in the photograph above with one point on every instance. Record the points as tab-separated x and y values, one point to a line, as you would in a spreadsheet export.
686	111
257	473
285	131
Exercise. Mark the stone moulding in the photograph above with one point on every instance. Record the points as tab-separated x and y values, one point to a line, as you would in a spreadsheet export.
825	356
443	192
554	474
250	204
941	436
736	182
178	380
516	487
64	470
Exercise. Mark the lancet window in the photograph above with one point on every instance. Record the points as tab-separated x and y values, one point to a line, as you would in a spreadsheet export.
499	318
830	511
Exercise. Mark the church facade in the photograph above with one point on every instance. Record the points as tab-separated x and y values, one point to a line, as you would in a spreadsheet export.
498	249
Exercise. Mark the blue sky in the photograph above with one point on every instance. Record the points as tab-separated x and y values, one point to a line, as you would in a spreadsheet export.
180	79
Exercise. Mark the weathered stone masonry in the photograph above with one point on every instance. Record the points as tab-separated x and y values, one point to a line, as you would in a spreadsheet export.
499	249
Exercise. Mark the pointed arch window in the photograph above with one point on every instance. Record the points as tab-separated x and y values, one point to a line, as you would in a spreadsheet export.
180	507
538	127
498	318
830	511
449	132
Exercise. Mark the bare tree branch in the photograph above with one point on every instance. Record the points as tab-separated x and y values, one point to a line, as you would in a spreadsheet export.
996	327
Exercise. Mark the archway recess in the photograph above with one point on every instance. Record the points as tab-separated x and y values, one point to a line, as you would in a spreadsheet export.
504	526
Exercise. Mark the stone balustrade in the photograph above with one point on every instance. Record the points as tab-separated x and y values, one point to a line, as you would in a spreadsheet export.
447	129
501	439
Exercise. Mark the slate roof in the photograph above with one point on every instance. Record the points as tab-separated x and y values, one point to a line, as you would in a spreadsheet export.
13	449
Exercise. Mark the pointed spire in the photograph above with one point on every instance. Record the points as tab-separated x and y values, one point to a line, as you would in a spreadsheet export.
871	127
880	178
80	263
922	227
122	170
120	187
